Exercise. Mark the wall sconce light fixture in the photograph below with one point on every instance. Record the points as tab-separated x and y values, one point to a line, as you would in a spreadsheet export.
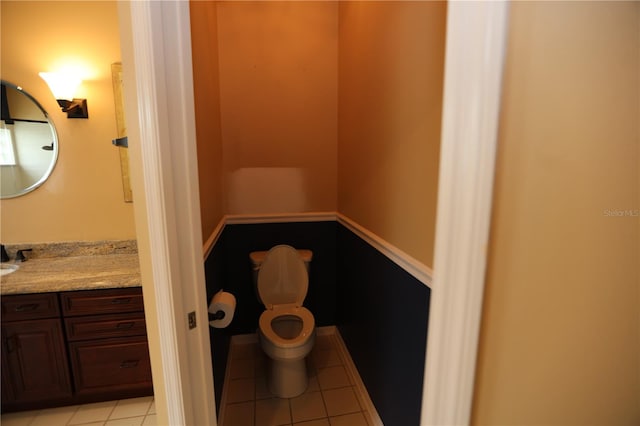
63	86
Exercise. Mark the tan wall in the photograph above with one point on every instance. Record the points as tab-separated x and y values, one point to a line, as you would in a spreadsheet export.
391	66
560	340
282	68
278	92
204	41
83	198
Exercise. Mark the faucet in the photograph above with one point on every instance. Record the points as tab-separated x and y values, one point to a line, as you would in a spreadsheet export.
4	257
20	257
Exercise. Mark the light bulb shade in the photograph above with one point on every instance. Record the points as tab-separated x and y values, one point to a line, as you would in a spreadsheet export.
63	86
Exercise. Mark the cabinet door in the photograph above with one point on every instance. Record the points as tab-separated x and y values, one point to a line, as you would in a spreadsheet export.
34	361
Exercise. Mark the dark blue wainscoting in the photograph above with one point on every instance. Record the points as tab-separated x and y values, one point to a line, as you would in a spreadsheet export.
380	309
214	270
382	316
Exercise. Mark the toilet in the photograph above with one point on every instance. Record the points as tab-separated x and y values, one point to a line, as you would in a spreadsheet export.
286	328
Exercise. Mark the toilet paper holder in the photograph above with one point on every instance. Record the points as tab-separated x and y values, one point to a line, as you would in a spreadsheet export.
221	309
218	315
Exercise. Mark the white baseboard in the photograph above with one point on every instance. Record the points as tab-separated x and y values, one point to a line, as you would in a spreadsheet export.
371	413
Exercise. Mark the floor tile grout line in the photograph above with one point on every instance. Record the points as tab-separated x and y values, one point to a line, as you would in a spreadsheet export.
326	410
149	407
112	410
255	393
32	420
34	417
74	413
290	409
255	410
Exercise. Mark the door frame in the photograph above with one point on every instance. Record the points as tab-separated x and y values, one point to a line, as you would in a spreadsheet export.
156	46
159	109
474	58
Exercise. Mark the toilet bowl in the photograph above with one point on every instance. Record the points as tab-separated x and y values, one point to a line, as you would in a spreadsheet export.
286	328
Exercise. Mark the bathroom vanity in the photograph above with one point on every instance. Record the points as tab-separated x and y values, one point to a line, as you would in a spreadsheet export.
73	331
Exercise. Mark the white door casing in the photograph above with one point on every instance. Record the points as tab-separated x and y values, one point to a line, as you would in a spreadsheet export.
156	47
474	57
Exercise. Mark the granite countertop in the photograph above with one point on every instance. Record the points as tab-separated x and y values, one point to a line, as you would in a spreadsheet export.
82	266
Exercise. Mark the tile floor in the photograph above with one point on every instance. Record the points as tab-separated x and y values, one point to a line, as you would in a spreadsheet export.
330	400
124	412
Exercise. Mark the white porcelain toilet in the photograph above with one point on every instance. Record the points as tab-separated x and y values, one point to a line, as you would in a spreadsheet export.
286	328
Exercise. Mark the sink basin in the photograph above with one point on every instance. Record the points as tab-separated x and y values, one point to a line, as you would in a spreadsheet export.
7	268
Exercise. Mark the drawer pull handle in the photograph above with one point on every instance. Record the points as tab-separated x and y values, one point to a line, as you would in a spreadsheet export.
121	301
125	325
27	307
130	363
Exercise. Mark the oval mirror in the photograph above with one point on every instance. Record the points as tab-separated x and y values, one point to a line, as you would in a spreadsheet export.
28	143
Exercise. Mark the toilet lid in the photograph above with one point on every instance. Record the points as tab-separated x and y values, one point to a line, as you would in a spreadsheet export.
283	278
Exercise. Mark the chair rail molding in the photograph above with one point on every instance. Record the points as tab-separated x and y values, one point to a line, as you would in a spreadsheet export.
417	269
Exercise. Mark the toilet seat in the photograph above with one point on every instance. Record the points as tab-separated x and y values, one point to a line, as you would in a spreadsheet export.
302	313
283	282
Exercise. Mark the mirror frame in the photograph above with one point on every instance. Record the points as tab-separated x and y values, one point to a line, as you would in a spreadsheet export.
56	145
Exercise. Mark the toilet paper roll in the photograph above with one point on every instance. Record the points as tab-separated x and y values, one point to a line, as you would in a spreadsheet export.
222	305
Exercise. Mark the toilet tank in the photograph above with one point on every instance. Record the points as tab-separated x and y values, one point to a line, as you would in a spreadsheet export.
257	257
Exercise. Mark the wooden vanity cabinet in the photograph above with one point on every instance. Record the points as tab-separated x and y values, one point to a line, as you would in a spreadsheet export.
107	341
73	347
35	368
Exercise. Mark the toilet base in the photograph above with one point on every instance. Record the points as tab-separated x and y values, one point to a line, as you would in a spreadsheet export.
287	379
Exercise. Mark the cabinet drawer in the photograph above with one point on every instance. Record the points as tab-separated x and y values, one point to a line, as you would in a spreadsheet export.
92	302
110	364
103	326
29	306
